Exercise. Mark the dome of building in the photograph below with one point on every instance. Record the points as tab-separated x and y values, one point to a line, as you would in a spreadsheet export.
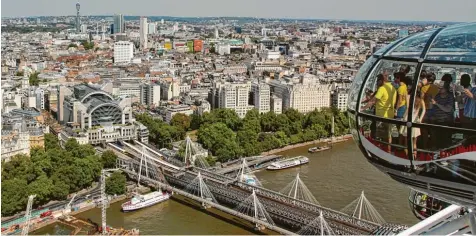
412	110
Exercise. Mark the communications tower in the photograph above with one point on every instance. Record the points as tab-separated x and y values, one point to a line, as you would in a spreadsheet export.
78	21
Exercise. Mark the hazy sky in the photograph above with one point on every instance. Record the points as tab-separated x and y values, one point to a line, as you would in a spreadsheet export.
434	10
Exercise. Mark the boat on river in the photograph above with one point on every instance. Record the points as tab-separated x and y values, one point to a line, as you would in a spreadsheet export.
288	163
318	149
141	201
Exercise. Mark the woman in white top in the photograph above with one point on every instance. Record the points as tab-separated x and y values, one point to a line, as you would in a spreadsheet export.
419	110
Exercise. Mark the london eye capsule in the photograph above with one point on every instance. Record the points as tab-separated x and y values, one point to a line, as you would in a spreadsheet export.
424	206
412	109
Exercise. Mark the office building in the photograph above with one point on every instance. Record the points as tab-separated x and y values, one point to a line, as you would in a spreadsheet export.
223	48
150	94
172	110
339	98
143	32
152	28
123	52
119	25
84	29
235	96
276	105
305	96
40	98
261	97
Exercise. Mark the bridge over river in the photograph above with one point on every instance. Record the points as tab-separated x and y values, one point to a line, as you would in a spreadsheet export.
287	215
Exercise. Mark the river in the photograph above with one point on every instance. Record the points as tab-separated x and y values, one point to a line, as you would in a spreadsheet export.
335	177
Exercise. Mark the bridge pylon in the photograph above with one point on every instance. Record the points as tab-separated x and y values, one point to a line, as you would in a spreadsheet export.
252	206
199	188
245	175
298	190
361	208
191	158
318	226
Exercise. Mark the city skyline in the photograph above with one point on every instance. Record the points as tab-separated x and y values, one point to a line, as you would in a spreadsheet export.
405	10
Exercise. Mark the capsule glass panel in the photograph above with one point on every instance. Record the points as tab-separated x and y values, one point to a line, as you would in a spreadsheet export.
357	83
413	46
456	43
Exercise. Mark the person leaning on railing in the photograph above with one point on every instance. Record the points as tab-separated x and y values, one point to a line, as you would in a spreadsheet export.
443	110
468	120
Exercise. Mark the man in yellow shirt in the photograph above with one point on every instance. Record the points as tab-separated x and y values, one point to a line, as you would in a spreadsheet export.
384	101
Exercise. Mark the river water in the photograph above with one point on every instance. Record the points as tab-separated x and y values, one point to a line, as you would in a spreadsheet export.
335	177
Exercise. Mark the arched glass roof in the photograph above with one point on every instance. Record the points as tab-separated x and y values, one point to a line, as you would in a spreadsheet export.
454	43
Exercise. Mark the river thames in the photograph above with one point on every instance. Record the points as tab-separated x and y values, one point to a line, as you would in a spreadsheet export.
336	177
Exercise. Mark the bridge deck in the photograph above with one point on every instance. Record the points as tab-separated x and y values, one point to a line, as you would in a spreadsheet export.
250	163
298	213
213	204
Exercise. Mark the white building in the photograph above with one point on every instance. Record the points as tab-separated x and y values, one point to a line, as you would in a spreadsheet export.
304	96
150	94
84	29
152	28
276	105
40	98
339	99
223	49
123	52
271	55
172	110
204	107
143	32
235	96
15	141
261	97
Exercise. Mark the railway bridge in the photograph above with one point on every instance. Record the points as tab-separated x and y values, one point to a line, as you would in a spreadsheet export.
287	215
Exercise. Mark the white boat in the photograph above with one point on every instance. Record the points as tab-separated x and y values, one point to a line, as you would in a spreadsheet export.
318	149
142	201
288	163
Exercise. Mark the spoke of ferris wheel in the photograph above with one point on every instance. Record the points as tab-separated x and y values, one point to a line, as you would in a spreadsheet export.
298	190
361	208
246	171
252	206
199	188
318	226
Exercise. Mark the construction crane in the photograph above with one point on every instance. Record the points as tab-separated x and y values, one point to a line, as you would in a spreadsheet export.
67	208
26	226
104	200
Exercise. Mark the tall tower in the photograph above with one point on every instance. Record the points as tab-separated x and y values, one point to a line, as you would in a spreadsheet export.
217	35
78	21
143	32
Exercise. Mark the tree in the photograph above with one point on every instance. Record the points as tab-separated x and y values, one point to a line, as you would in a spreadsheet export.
19	73
42	187
72	45
51	142
268	122
33	79
195	122
181	121
14	196
116	184
108	159
222	115
220	140
87	45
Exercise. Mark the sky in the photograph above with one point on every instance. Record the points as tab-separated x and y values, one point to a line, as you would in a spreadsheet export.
403	10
